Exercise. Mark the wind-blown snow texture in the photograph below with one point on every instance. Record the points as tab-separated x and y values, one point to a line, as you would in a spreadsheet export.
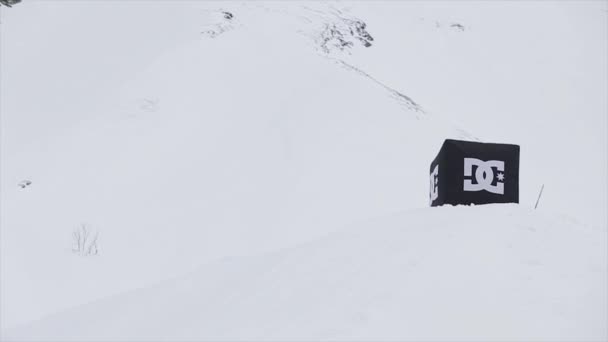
495	272
188	132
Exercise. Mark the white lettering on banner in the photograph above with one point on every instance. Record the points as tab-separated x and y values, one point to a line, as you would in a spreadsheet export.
434	179
484	175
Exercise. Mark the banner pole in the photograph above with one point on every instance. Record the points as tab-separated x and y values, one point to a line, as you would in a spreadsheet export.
539	194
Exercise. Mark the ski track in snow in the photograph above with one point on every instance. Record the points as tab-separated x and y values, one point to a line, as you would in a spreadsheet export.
401	98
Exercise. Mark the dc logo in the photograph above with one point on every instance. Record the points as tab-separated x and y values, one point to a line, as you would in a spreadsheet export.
434	180
484	177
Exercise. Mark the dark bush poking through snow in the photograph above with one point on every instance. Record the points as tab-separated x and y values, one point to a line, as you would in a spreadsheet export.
343	34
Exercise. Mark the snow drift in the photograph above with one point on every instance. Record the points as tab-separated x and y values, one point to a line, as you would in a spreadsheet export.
239	143
485	273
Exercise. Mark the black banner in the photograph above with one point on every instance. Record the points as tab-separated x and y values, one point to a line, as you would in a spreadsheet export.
466	172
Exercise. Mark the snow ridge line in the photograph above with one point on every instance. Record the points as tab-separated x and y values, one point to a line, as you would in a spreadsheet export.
403	99
400	97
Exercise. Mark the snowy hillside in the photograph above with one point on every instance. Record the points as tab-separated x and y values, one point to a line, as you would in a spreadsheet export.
183	133
485	273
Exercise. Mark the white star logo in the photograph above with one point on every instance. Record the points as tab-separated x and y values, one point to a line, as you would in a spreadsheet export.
501	176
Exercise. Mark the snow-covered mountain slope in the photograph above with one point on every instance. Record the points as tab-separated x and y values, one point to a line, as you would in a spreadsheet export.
185	132
486	273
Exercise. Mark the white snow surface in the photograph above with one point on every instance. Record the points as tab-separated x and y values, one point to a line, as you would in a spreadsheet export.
485	273
186	138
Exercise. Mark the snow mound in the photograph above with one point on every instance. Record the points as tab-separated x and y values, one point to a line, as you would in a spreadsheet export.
240	143
495	272
213	129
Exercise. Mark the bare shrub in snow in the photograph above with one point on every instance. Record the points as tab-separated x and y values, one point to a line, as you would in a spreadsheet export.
84	240
9	3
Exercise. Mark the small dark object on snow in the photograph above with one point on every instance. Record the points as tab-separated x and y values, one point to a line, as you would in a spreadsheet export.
228	15
458	26
363	35
25	183
9	3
